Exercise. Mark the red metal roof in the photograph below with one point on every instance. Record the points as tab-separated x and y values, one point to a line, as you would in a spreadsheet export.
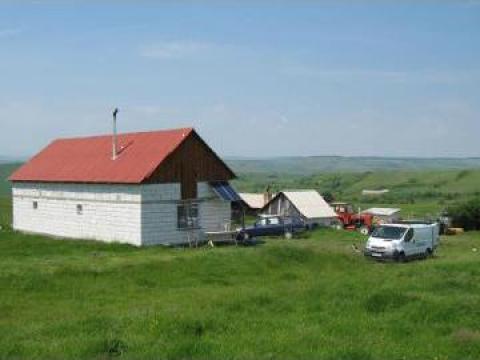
89	159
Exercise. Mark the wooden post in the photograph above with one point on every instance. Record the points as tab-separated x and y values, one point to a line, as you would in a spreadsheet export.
243	216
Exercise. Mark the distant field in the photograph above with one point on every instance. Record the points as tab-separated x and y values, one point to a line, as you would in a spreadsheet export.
310	298
436	187
316	164
5	171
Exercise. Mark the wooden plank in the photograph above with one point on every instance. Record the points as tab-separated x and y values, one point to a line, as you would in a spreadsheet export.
193	161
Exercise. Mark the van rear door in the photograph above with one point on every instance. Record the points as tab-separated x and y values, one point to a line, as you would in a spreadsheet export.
423	239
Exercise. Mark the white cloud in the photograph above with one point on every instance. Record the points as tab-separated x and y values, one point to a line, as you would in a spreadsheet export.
175	49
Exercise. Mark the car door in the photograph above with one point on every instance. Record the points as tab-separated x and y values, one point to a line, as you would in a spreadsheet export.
261	227
275	226
409	245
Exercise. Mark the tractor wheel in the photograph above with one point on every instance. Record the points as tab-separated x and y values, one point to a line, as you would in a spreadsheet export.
364	230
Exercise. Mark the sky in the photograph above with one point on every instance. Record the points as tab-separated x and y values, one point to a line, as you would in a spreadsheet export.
255	78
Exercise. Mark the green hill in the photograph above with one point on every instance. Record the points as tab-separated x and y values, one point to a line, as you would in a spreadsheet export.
316	164
5	171
421	184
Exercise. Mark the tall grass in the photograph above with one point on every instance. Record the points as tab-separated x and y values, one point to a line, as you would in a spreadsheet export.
5	212
304	298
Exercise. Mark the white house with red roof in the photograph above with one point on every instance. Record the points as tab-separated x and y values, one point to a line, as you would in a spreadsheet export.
159	187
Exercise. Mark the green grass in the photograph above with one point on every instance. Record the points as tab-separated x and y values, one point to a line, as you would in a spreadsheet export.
5	171
304	298
5	211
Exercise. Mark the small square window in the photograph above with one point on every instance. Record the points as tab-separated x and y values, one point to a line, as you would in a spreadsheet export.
35	205
79	209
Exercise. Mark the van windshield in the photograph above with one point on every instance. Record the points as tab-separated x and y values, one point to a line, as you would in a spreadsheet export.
388	232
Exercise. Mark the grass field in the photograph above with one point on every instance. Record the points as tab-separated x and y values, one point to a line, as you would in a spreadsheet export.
409	186
5	211
5	171
303	298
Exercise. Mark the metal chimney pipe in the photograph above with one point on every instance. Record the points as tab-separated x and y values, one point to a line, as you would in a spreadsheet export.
114	140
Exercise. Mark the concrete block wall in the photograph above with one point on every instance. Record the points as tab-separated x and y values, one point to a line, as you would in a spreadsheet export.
134	214
215	213
110	213
159	213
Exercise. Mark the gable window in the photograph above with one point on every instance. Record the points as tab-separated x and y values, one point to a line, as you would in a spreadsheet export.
79	209
187	216
35	205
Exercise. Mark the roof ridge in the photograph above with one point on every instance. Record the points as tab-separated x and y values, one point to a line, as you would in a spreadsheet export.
299	190
187	129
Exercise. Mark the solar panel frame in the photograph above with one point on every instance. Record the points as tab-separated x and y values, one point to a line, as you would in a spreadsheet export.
225	191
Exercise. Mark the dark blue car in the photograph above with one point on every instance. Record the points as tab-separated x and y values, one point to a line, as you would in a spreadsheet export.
272	226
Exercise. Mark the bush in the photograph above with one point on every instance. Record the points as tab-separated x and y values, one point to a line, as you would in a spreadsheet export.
466	214
328	197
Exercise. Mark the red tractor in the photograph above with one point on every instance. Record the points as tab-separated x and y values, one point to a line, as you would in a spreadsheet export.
350	220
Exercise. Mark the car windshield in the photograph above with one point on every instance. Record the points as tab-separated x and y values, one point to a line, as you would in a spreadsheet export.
388	232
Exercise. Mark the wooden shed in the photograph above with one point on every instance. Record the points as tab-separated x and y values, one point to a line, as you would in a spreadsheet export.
308	205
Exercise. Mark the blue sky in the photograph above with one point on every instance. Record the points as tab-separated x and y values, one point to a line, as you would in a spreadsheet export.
255	79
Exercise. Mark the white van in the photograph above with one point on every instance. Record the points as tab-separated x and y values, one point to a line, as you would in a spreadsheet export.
403	241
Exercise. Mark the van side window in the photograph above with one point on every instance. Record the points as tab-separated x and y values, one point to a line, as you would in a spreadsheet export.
409	235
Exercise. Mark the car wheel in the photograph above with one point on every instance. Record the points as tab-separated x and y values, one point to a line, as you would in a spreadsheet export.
338	226
428	253
246	236
401	257
288	235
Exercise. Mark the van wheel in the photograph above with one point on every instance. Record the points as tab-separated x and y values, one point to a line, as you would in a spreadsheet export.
401	257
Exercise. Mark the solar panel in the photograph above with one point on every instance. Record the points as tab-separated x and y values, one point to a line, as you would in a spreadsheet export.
225	191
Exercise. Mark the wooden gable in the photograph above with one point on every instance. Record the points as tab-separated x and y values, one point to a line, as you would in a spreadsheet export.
192	162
